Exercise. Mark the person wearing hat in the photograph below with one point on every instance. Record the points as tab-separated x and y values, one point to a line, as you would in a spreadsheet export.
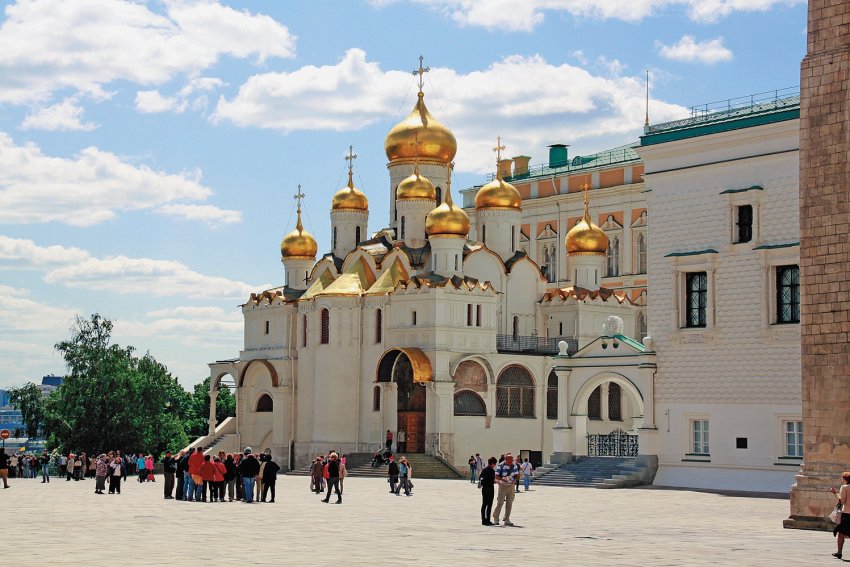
249	468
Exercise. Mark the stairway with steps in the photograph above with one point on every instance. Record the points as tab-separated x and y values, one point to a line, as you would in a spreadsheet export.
596	472
359	465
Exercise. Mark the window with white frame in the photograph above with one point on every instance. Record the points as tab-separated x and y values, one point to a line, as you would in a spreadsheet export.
793	438
743	229
613	256
696	299
640	253
699	437
787	294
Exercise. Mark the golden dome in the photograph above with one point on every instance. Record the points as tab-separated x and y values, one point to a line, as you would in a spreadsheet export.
416	187
447	219
299	243
420	135
498	194
585	238
350	198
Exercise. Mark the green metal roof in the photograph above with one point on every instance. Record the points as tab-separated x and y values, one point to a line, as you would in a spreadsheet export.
743	190
693	253
776	245
724	116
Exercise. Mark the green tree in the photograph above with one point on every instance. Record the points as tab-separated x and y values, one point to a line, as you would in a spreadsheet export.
198	411
30	401
111	399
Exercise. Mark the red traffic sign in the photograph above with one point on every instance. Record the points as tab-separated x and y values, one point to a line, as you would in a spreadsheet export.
5	434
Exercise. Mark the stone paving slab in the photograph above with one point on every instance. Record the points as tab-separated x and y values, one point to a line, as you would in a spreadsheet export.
65	523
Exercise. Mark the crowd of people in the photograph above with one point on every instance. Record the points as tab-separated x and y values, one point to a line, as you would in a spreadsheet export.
328	471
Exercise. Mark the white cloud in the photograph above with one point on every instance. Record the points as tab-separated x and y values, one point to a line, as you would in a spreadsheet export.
189	325
510	15
66	115
21	313
26	253
120	274
88	189
150	102
526	100
206	213
50	45
689	50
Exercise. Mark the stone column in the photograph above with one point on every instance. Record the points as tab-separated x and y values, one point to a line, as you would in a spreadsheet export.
278	424
211	420
824	261
563	440
580	437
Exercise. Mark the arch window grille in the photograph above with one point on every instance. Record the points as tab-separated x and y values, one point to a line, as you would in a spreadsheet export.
304	331
552	396
515	393
376	398
594	404
469	403
613	257
615	401
641	254
265	404
326	327
379	326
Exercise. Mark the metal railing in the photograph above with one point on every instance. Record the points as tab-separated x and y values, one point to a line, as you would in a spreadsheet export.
618	443
576	163
733	108
534	344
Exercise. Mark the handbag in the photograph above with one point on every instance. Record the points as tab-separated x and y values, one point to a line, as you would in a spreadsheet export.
835	515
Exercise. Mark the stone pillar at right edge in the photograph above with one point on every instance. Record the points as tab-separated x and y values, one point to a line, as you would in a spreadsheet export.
824	262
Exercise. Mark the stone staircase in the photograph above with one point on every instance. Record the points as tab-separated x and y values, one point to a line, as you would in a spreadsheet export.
596	472
359	465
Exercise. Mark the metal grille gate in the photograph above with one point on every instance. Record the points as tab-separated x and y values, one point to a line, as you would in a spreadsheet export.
618	443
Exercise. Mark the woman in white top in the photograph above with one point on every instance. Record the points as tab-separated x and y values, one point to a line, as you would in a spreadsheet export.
843	528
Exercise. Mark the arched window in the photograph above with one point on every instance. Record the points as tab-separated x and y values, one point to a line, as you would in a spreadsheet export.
326	327
376	398
334	238
304	331
513	239
468	314
402	228
265	404
515	331
552	396
478	315
515	393
615	397
357	235
455	262
379	326
439	192
594	404
613	257
484	234
641	249
468	402
643	332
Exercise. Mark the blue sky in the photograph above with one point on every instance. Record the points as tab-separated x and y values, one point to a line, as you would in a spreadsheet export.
149	151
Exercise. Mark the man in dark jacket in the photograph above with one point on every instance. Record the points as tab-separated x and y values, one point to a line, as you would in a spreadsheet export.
169	467
181	465
269	477
333	478
392	472
249	468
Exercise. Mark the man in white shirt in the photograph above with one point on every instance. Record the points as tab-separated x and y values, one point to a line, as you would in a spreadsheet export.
506	475
527	471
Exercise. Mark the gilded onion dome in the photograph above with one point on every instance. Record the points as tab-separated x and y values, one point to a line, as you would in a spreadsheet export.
299	243
420	133
585	238
447	219
350	197
416	187
498	194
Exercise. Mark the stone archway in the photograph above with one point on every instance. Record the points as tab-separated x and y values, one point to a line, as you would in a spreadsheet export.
607	407
405	371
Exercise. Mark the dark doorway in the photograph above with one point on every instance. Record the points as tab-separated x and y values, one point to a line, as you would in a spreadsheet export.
411	406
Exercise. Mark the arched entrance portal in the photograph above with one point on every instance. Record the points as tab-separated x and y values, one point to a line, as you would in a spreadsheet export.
608	410
408	370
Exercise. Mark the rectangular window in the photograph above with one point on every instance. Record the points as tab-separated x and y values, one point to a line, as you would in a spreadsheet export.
699	436
745	223
477	315
267	327
787	294
793	438
696	294
468	314
413	318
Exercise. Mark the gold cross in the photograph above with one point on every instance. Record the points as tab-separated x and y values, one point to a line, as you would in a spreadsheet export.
298	196
498	149
584	188
421	72
350	158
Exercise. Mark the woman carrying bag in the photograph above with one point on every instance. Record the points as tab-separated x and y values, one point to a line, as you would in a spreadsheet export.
843	529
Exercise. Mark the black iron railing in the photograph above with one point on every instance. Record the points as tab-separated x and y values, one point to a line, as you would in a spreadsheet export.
534	344
618	443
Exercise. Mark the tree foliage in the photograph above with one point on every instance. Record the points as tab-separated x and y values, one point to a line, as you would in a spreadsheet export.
30	401
198	410
112	399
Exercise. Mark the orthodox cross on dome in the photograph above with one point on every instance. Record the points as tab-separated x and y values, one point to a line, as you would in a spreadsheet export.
350	159
298	197
584	188
421	72
498	149
449	169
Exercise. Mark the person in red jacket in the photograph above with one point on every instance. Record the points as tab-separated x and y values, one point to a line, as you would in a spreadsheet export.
196	484
208	472
220	473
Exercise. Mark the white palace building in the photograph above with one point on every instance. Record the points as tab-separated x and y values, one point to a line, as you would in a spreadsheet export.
470	331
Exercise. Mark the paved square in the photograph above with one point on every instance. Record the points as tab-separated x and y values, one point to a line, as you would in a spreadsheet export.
65	523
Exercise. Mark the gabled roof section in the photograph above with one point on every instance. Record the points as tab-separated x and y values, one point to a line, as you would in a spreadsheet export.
389	279
431	279
356	279
604	346
323	281
283	293
580	294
